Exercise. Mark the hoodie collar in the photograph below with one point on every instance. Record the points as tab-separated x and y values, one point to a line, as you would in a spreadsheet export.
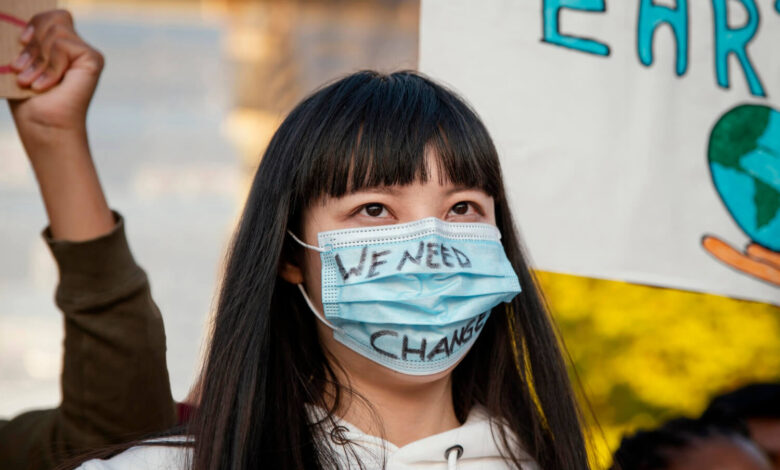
477	437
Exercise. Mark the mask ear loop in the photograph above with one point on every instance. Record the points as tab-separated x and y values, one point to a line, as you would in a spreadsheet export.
319	316
314	310
315	248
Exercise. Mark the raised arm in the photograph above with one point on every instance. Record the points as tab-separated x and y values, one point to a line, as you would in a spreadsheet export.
115	384
52	125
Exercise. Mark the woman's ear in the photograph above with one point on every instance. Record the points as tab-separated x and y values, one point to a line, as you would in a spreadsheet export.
290	273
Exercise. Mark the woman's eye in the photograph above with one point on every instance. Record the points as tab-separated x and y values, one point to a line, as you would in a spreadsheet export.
373	210
461	208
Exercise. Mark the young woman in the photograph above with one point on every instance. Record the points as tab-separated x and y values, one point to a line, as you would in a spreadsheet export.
376	309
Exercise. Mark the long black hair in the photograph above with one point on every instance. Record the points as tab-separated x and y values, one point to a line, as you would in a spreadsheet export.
265	361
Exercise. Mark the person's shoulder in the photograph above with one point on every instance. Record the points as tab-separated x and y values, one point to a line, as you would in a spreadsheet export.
170	453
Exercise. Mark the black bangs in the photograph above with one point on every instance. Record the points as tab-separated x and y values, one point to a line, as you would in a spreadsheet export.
371	129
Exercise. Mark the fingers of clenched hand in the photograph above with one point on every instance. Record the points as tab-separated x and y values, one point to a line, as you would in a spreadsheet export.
51	44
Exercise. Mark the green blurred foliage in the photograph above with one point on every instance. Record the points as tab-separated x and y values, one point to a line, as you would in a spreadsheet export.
646	354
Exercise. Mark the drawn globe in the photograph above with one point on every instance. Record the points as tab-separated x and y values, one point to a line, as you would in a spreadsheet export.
744	159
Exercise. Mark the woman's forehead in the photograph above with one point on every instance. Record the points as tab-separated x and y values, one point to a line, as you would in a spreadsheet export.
376	170
431	171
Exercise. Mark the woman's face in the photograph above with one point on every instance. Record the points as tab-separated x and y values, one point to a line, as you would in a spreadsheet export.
381	206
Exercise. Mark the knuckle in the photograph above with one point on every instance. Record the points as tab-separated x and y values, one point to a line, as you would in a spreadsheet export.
39	18
59	29
100	58
63	14
55	48
59	41
56	32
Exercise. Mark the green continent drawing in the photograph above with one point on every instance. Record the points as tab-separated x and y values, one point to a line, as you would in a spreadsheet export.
744	157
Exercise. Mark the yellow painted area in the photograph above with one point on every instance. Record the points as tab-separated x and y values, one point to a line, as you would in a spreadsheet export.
645	354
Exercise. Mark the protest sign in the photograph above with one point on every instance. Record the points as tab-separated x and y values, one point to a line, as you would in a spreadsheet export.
640	139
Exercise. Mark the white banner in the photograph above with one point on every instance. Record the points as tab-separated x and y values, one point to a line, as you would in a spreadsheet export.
640	139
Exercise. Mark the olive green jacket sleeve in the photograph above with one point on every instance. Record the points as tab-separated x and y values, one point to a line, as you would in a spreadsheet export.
115	384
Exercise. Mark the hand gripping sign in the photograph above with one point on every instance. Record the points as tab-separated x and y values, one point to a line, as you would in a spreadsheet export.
14	15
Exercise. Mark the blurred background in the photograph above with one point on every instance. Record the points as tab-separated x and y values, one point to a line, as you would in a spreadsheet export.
191	94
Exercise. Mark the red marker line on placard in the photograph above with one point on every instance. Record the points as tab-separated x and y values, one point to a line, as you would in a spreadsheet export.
12	19
16	22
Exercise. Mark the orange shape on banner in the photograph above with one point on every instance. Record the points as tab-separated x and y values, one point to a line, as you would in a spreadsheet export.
756	260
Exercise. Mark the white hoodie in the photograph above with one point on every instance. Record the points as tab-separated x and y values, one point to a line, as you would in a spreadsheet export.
438	452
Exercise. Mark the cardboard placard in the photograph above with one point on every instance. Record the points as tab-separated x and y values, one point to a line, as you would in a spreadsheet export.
14	15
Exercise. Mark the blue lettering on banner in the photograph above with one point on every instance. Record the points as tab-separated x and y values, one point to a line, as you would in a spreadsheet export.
728	40
651	16
551	20
734	41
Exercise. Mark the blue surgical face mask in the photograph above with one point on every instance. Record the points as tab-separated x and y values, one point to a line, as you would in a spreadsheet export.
412	297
